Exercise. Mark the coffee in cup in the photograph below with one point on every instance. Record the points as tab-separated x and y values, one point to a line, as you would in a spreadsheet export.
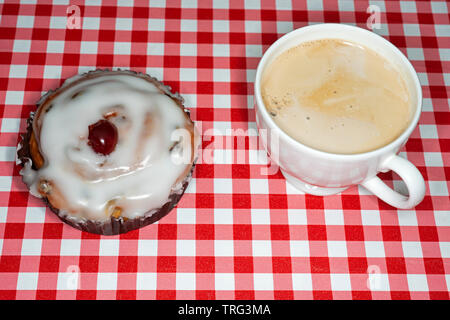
337	96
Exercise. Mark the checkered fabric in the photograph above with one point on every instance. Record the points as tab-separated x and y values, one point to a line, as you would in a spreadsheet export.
236	233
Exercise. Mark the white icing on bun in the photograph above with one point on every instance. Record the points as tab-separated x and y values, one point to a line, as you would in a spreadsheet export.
144	168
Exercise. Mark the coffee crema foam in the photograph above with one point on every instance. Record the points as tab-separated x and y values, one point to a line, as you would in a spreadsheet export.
336	96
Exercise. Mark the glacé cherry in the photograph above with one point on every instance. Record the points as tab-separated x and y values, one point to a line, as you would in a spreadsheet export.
103	136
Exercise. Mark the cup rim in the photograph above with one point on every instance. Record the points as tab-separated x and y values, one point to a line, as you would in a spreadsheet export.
354	156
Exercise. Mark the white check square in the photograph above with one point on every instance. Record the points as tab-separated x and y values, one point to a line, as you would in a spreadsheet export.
259	186
31	247
314	5
407	218
88	47
10	124
337	249
297	216
284	26
223	186
283	5
122	48
221	50
148	247
377	281
263	281
188	49
107	281
7	153
301	281
417	282
188	25
433	159
427	105
3	214
439	7
334	217
442	30
220	156
155	48
258	157
18	71
251	75
299	248
224	281
156	24
70	247
408	7
340	282
221	26
253	50
220	4
25	21
188	4
415	54
370	217
428	131
411	29
412	249
91	23
68	280
158	3
186	215
146	281
260	216
374	249
5	183
58	22
379	4
252	26
27	281
223	216
35	215
262	248
438	188
124	24
221	101
252	4
221	75
223	248
447	79
55	46
22	45
190	101
185	281
444	246
423	78
94	3
109	247
442	218
346	5
186	248
52	72
125	3
188	74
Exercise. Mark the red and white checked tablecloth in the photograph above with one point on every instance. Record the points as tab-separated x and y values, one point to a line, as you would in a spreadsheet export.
236	234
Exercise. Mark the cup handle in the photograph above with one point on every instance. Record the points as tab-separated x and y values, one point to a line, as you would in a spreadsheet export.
409	174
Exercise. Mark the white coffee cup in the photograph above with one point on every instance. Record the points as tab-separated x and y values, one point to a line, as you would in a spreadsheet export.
322	173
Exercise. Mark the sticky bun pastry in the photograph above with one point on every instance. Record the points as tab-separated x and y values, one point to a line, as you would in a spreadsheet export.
109	151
